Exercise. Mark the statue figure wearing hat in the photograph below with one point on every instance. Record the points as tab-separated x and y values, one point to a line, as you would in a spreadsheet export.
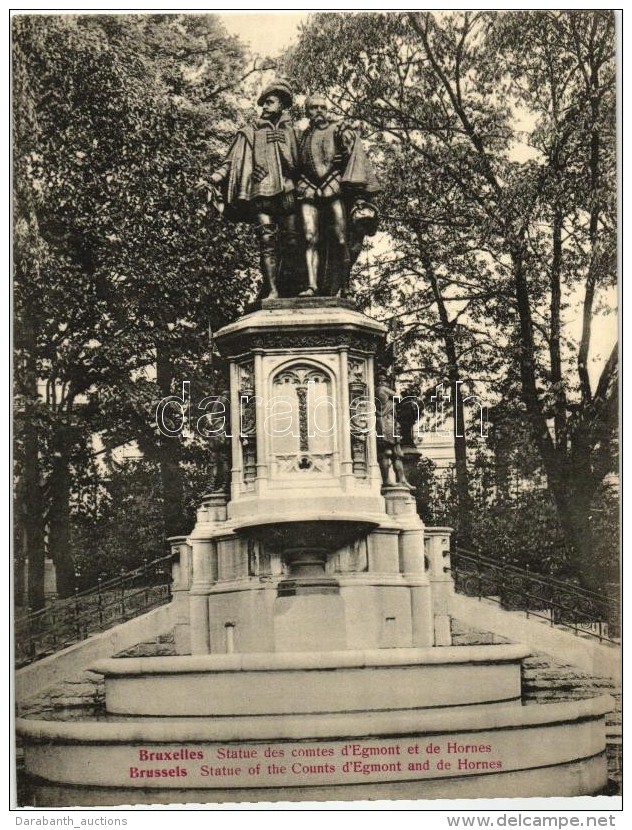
256	183
335	190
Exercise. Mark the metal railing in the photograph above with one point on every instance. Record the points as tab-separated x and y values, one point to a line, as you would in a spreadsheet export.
537	595
64	622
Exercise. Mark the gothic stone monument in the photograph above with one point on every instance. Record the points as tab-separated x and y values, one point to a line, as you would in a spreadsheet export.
311	611
311	607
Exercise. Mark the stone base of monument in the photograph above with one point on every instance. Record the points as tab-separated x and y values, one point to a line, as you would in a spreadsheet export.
572	779
478	750
379	724
311	617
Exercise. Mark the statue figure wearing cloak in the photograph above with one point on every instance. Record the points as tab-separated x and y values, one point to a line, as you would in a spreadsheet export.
256	183
335	189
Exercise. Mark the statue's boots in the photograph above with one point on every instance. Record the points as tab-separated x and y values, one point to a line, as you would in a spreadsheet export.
340	269
269	259
292	269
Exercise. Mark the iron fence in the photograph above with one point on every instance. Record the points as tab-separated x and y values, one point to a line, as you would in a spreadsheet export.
64	622
558	602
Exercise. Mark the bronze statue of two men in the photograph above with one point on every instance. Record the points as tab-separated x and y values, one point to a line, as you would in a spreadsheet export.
310	195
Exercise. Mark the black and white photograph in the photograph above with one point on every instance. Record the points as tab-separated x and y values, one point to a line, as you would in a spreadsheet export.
315	420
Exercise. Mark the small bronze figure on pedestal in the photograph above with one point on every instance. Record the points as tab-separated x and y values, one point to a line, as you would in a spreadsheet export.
219	445
388	436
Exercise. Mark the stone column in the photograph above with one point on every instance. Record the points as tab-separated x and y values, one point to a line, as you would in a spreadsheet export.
375	473
236	472
181	573
344	430
215	505
202	555
261	393
401	506
383	550
437	545
211	512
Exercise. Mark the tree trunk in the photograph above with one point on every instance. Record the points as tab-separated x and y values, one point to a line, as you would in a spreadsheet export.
464	498
559	393
33	506
173	491
570	478
19	571
574	513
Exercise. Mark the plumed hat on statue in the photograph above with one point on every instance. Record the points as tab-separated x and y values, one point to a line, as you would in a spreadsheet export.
278	87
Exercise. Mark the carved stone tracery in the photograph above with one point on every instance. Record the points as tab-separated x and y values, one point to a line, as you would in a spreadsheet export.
248	420
300	379
360	342
358	415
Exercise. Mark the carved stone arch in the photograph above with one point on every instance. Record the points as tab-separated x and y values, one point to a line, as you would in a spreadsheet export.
303	362
301	443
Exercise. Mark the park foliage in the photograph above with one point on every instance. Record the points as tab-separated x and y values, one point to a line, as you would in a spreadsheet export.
494	135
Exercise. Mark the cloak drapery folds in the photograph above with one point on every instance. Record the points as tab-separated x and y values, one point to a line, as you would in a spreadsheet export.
333	162
358	173
260	166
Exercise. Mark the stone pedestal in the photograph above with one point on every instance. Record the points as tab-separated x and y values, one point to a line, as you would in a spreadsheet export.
437	548
180	587
301	393
310	552
401	506
313	599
